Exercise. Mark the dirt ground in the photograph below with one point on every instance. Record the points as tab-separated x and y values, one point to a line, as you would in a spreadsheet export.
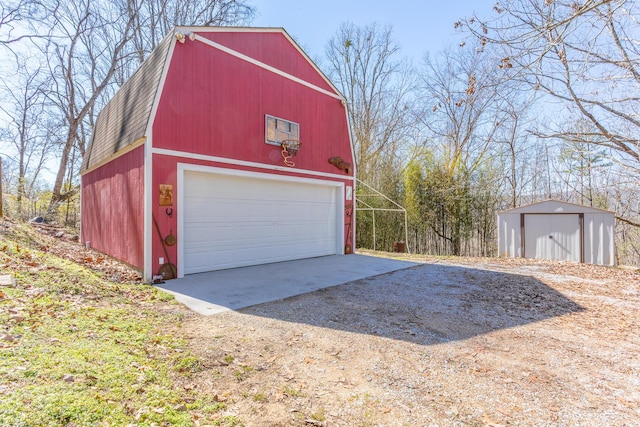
449	342
457	342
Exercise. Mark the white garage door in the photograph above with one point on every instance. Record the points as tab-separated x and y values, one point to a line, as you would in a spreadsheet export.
555	237
233	221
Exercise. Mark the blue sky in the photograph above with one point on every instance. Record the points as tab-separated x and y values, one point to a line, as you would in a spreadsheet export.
418	25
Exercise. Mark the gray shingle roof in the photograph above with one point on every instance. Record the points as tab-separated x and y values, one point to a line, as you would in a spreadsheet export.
124	119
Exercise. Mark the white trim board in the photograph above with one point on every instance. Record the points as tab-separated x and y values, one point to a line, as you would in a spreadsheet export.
137	143
246	163
195	29
148	212
266	66
148	168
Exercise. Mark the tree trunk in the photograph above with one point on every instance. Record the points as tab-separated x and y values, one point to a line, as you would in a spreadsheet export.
56	195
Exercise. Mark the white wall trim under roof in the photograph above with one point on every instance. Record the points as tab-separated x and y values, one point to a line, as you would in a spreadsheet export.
267	67
279	30
148	168
114	156
246	163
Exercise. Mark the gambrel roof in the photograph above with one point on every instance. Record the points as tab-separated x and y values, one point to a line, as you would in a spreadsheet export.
124	120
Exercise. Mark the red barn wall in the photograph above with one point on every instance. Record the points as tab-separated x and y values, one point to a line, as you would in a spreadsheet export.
165	173
215	104
273	49
113	208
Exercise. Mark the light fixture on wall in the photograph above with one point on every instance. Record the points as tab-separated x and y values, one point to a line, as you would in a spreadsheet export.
182	37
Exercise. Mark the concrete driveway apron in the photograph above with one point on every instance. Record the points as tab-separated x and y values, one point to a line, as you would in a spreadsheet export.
217	291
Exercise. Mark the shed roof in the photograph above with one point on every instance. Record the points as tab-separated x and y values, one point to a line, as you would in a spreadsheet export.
554	206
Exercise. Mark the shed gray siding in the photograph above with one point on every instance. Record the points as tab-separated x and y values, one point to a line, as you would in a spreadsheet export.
599	238
596	227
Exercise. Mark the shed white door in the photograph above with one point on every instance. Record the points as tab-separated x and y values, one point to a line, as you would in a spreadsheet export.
555	237
233	221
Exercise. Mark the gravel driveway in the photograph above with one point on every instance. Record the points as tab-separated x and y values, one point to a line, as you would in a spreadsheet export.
463	342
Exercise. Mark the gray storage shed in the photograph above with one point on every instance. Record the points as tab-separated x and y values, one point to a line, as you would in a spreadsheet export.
557	231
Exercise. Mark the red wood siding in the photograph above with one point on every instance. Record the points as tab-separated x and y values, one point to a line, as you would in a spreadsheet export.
113	206
271	48
215	104
165	172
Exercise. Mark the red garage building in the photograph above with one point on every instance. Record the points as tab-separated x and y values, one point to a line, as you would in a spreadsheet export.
187	168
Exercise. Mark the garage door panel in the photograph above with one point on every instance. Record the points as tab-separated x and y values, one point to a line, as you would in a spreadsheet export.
224	259
226	236
267	228
552	236
278	210
232	221
258	254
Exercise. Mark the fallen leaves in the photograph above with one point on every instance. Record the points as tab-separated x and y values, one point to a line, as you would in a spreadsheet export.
16	317
298	368
7	338
627	403
58	242
488	422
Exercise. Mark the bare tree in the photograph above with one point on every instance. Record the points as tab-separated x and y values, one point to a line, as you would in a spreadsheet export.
462	114
10	13
9	174
582	55
585	170
460	94
364	64
155	18
15	17
93	42
625	196
514	136
27	128
83	58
